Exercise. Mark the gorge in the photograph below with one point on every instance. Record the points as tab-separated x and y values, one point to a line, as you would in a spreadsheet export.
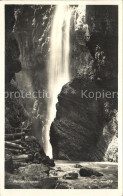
61	51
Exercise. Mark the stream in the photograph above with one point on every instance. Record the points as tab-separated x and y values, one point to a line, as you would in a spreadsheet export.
109	180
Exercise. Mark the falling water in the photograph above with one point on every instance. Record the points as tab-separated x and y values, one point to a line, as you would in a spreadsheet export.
58	73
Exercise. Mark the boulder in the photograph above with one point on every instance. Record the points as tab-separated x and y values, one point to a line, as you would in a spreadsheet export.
71	176
87	172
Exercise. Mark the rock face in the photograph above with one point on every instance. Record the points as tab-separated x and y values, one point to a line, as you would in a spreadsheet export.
76	127
84	127
32	31
22	149
27	29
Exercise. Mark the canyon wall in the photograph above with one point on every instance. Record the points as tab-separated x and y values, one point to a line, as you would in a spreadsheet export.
27	50
15	111
23	128
32	31
84	129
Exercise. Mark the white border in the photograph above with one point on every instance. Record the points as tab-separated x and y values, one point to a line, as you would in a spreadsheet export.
67	192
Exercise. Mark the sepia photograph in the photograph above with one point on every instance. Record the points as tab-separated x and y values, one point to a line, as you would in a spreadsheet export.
61	95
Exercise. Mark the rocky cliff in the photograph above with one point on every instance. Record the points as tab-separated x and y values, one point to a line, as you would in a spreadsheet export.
22	149
84	129
32	31
27	45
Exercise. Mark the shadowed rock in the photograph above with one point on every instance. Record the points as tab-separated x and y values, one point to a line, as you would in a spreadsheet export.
71	176
87	172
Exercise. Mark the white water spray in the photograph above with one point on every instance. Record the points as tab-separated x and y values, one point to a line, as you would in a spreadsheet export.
58	73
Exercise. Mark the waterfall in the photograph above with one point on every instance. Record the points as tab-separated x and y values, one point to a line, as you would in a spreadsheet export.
58	69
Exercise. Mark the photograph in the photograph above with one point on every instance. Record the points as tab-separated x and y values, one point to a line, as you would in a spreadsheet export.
61	105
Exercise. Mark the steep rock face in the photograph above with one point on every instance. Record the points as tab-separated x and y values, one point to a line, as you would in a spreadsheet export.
75	130
83	128
102	30
32	31
21	148
15	112
12	52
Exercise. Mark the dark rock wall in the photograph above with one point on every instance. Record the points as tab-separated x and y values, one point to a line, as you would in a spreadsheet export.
78	124
27	45
84	129
21	148
12	52
15	112
32	32
103	27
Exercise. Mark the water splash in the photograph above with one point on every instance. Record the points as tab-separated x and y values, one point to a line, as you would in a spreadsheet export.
58	73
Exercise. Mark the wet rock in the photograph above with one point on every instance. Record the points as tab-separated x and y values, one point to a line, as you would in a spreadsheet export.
87	172
8	163
71	176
